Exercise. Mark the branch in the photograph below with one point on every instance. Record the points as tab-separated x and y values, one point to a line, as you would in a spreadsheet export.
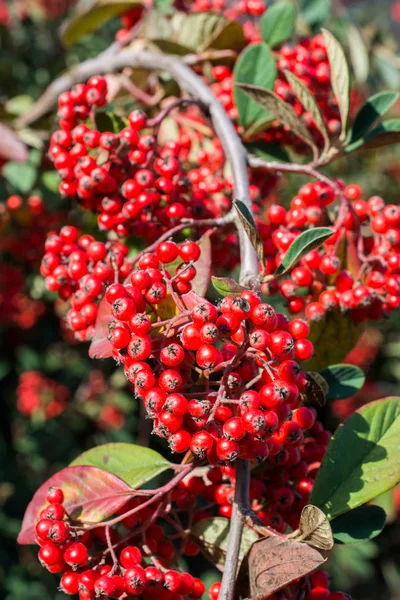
241	507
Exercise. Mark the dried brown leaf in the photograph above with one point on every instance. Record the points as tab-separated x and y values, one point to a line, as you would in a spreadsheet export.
315	529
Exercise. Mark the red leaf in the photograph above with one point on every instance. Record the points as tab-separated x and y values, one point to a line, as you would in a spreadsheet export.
10	146
91	494
100	346
191	299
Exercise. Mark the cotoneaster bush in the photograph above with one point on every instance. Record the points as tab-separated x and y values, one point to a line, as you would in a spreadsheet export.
229	312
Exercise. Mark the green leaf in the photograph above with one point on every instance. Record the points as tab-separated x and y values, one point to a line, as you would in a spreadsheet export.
333	338
384	134
267	151
249	226
18	105
280	110
343	381
21	176
278	23
255	65
372	111
109	121
315	12
212	537
164	6
362	523
340	76
88	16
359	53
302	245
226	286
134	464
309	102
362	459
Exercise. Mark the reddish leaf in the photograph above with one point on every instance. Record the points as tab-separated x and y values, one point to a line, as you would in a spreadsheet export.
10	146
100	346
274	563
191	299
91	494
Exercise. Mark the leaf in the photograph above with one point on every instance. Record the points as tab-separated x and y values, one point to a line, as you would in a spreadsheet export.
267	151
359	53
362	523
340	76
133	464
88	16
274	563
255	65
333	338
315	12
212	537
203	267
302	245
21	176
280	110
316	389
310	104
10	146
343	381
109	121
91	494
100	346
226	286
278	23
375	107
384	134
362	459
246	218
315	529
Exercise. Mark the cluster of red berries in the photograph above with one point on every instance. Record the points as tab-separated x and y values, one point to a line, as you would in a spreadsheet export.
77	554
40	396
78	267
322	282
175	370
316	587
135	185
308	61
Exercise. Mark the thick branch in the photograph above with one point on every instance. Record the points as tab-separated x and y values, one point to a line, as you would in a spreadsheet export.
241	507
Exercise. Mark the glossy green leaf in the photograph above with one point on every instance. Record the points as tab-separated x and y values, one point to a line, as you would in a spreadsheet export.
384	134
372	111
340	76
256	66
343	381
88	16
280	110
278	23
267	151
315	12
362	523
302	245
226	286
134	464
362	459
212	537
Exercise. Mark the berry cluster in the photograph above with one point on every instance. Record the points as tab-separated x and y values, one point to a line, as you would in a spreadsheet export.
84	561
368	229
40	396
308	61
175	370
78	268
135	185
